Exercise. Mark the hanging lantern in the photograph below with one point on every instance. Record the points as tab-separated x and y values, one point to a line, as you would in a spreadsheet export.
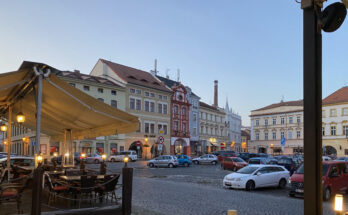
20	117
3	128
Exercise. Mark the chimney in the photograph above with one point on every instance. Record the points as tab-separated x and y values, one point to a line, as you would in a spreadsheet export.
77	71
215	93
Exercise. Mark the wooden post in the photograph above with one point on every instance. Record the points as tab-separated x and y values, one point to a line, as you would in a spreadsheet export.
127	183
37	191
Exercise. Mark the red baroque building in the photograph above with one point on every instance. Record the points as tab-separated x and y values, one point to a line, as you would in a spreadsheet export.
180	133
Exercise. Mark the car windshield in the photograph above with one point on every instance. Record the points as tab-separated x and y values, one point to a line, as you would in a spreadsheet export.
247	170
254	161
238	160
300	170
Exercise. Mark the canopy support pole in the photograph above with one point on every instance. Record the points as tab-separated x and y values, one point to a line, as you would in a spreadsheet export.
38	113
9	134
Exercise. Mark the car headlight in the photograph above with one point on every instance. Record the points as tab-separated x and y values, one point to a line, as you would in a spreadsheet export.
238	179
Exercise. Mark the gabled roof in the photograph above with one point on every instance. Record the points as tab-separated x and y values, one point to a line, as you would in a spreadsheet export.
84	77
170	83
281	104
205	105
136	76
338	96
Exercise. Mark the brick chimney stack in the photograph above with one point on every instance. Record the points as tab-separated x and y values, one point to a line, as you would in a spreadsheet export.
215	93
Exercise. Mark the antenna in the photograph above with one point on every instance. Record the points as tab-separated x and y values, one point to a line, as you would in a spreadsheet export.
178	75
282	98
154	72
167	73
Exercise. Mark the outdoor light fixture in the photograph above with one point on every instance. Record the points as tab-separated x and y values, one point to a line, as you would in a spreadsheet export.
5	142
3	127
20	117
66	154
146	139
103	157
125	160
55	154
83	155
332	17
39	158
338	207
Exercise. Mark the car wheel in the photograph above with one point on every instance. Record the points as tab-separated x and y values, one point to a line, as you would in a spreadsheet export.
327	193
113	160
213	162
282	183
196	162
186	164
96	161
250	185
234	169
170	165
151	165
291	195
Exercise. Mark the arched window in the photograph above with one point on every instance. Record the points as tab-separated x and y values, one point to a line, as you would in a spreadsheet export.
183	111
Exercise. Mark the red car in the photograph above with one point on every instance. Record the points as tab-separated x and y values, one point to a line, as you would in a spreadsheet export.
335	179
233	163
226	155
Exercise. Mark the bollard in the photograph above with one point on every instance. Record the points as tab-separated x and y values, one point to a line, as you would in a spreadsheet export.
232	212
127	181
37	191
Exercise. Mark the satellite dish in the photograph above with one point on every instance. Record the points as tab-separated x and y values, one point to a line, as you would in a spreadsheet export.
332	17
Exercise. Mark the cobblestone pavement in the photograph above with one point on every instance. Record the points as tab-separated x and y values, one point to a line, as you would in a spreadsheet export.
198	190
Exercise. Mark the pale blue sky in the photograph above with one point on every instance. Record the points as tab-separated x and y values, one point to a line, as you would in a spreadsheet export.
254	48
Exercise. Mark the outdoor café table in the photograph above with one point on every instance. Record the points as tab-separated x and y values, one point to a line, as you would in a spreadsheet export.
76	177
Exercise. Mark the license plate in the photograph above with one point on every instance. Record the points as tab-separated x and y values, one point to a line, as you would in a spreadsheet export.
299	191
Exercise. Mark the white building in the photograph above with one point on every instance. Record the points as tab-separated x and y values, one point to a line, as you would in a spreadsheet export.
234	122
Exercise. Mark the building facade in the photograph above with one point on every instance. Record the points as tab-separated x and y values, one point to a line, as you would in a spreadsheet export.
234	123
245	138
145	97
335	123
275	124
193	99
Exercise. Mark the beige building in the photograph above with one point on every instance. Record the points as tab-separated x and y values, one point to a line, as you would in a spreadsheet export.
213	130
147	98
278	121
335	123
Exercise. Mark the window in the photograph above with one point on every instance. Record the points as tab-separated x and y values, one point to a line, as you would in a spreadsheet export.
159	107
282	134
266	136
194	117
202	129
152	128
131	103
194	132
159	127
138	104
323	114
72	84
333	112
298	134
175	110
345	130
266	121
257	122
274	135
184	127
164	97
323	131
211	130
100	90
147	94
101	99
176	126
113	92
165	129
282	120
147	127
274	121
290	134
257	136
114	103
333	130
216	131
160	97
165	110
147	106
183	111
290	120
131	90
86	88
298	119
152	106
138	92
345	112
152	95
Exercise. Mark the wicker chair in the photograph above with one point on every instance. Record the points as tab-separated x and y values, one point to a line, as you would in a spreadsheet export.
12	192
54	188
88	184
108	186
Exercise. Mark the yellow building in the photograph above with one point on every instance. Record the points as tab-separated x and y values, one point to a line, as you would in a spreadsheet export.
146	97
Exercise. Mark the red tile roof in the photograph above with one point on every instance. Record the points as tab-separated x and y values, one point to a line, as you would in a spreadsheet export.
338	96
281	104
136	76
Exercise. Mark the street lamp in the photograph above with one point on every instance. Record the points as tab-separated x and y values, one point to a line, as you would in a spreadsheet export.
338	207
125	160
103	165
20	117
3	127
39	159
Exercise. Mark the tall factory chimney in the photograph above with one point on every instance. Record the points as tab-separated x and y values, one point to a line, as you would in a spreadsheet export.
215	93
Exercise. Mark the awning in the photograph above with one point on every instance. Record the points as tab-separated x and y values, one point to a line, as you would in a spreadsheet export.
63	106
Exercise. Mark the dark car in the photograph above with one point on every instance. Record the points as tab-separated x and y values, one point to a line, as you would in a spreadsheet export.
217	153
246	155
77	158
289	163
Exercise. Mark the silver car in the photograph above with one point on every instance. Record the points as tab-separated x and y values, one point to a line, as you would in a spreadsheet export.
164	161
206	159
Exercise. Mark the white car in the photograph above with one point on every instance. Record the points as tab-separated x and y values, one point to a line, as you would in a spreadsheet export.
255	176
206	159
119	157
326	158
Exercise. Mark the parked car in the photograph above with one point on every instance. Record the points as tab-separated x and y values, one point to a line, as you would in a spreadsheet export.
289	163
258	160
255	176
184	160
342	159
326	158
334	180
217	153
28	164
233	163
226	154
58	159
206	159
164	161
246	156
119	157
94	158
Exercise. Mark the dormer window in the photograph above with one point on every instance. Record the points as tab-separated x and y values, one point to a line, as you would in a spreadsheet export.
143	80
132	77
156	83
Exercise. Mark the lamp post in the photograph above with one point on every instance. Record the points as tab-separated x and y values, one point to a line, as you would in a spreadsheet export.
103	165
82	162
127	183
338	204
3	128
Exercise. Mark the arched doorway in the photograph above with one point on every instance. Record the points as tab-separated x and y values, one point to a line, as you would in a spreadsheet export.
155	152
329	150
179	146
139	149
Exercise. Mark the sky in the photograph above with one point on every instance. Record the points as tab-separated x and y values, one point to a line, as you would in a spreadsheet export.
253	48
